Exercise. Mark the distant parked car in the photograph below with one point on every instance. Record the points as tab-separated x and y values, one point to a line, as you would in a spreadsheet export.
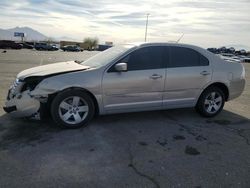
45	46
247	60
127	78
71	48
222	49
213	50
227	54
26	45
103	47
241	52
231	58
231	49
8	44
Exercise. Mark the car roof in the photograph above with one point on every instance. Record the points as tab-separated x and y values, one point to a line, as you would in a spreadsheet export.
197	48
144	44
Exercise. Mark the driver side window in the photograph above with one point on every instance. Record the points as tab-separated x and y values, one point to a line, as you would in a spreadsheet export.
143	59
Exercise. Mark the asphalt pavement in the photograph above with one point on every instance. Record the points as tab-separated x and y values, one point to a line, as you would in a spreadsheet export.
171	148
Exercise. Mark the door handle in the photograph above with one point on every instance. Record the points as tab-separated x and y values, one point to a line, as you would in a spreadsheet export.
155	76
204	73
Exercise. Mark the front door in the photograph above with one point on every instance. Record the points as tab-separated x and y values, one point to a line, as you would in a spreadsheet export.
141	87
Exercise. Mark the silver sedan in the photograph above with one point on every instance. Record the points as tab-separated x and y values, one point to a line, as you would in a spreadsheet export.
127	78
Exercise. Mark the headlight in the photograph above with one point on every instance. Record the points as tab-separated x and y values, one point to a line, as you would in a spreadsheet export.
16	86
16	83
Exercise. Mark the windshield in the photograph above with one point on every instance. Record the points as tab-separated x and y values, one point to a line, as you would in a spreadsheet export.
106	56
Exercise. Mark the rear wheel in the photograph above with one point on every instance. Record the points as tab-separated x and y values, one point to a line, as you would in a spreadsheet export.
72	109
211	102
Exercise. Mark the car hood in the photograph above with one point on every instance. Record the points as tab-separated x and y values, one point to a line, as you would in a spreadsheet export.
54	68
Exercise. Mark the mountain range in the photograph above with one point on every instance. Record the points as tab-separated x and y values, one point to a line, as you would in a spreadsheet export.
33	35
30	34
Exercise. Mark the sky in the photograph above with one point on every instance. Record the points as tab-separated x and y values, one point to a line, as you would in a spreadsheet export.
208	23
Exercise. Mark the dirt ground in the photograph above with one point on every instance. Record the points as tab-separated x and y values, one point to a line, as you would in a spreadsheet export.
171	148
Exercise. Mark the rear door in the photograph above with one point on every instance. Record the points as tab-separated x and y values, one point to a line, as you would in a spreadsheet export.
187	72
141	87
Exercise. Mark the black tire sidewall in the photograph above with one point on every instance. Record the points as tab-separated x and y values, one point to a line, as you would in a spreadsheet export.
200	107
69	93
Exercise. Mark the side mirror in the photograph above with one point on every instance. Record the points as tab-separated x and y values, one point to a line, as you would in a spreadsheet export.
121	67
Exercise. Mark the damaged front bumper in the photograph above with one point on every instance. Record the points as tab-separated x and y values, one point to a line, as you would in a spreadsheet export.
21	104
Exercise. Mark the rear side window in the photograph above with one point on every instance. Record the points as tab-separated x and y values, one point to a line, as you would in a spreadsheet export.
186	57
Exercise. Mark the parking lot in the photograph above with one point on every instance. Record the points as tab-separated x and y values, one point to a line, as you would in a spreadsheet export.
171	148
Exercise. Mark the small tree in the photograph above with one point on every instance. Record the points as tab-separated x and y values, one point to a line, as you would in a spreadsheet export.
90	43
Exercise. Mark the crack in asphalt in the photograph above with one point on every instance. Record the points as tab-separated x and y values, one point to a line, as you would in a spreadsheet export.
187	129
138	172
239	132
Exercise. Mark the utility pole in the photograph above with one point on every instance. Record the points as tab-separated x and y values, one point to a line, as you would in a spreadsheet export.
146	30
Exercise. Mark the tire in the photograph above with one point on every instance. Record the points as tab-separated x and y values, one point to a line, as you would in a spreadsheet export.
211	102
72	109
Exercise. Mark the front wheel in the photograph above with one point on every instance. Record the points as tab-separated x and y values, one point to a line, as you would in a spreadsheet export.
211	102
72	109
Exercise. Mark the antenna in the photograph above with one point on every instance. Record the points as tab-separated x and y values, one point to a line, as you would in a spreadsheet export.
180	38
146	30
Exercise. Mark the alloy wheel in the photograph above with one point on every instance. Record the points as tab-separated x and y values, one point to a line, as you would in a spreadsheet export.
73	110
213	102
